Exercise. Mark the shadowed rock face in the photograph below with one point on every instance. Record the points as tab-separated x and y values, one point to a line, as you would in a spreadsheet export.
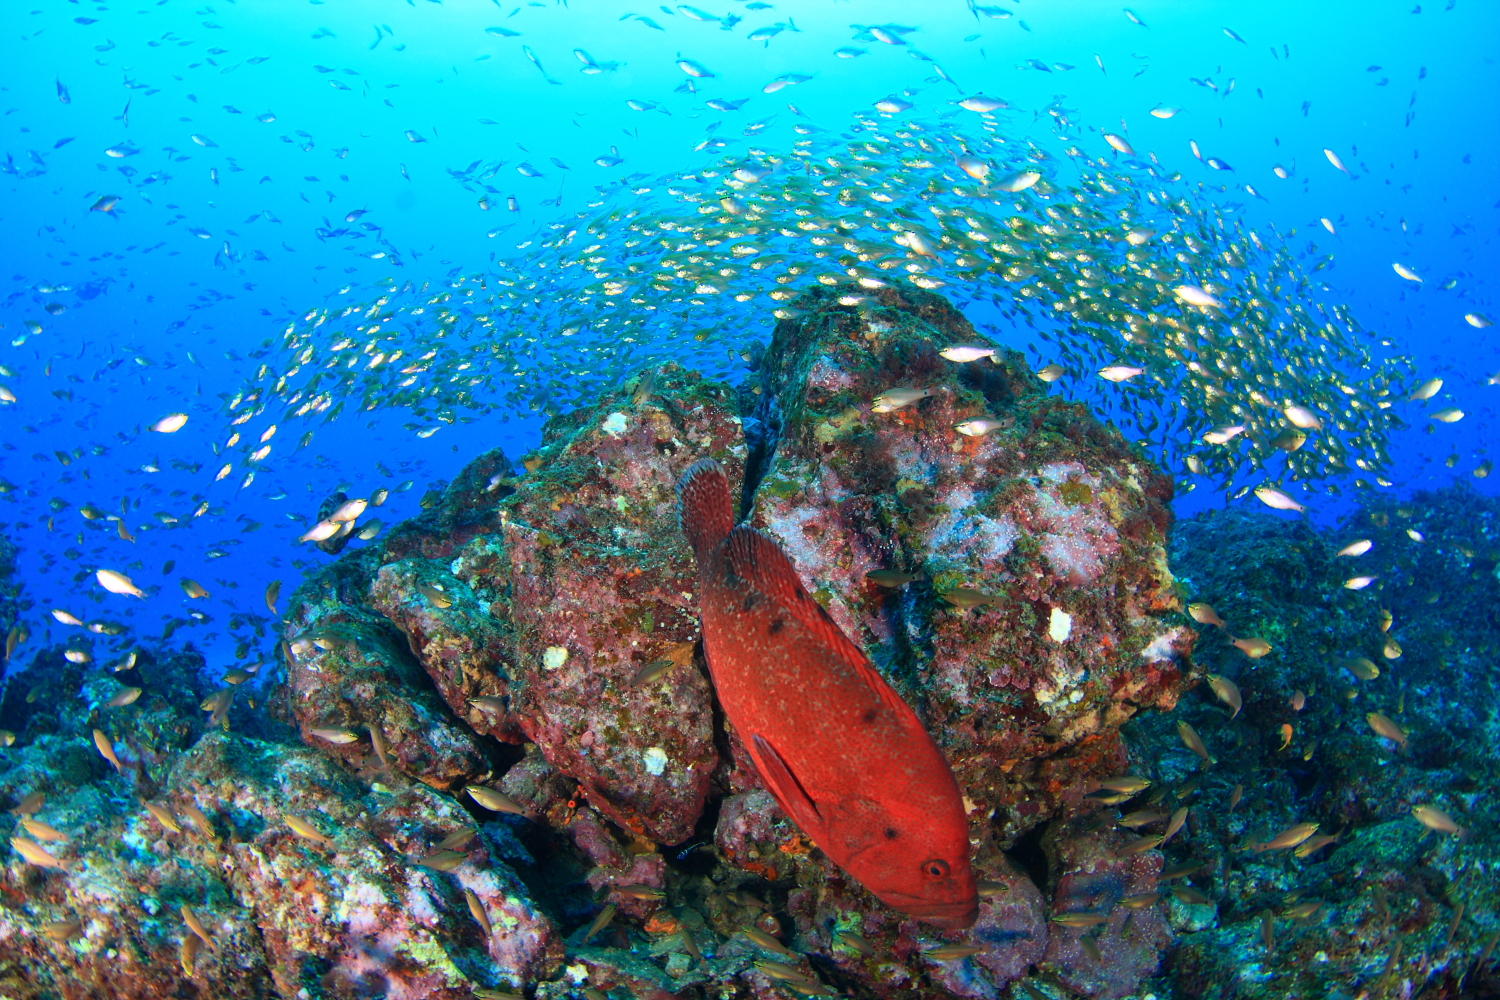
522	608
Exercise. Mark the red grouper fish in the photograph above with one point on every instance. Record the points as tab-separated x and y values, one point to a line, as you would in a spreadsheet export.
842	754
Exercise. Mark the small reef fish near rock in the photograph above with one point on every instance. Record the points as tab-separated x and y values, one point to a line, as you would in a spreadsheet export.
840	751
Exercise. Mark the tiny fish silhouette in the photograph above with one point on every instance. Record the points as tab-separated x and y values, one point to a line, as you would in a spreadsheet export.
842	754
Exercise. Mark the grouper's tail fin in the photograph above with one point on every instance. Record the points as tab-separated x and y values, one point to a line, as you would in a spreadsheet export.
704	506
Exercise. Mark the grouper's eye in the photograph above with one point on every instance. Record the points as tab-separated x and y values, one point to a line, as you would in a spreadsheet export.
936	868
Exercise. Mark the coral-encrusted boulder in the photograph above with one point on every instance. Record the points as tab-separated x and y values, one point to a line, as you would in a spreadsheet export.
1050	516
1040	617
349	668
534	604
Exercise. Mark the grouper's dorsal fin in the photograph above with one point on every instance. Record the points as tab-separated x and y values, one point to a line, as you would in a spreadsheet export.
704	506
760	562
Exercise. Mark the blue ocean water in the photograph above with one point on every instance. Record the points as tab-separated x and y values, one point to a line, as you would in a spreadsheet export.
183	181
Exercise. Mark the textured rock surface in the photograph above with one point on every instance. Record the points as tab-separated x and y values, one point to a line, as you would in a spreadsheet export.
530	603
1052	515
353	917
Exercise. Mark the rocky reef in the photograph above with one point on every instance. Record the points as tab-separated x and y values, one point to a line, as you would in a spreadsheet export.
226	860
489	761
1379	899
534	633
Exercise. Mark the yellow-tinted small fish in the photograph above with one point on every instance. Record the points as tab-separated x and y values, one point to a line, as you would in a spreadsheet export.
965	597
1130	784
107	749
896	399
989	889
1223	433
1139	846
1298	701
199	821
1189	895
123	697
41	831
1252	647
1435	819
487	993
953	952
1235	794
444	860
30	805
780	970
435	594
1193	741
891	578
1314	844
1140	900
62	931
1120	373
36	854
1359	582
1303	910
1228	692
1287	839
273	592
1276	499
457	840
65	617
1204	614
1385	726
306	830
163	817
336	735
636	891
1140	818
1448	415
601	921
1182	871
761	939
1409	275
193	924
1051	373
964	353
1286	736
476	909
1391	649
1358	548
1362	668
1175	823
855	942
493	705
1427	389
191	945
495	801
193	588
118	583
1080	919
377	742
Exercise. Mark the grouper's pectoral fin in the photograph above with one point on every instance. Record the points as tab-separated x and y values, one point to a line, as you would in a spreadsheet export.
788	791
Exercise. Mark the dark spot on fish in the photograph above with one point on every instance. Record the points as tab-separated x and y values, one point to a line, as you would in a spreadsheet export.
890	833
751	600
776	626
871	715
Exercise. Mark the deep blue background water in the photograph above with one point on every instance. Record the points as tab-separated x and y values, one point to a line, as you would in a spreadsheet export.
159	319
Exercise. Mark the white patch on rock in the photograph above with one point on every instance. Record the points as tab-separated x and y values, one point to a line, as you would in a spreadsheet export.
554	657
963	533
1163	647
1061	625
615	424
655	759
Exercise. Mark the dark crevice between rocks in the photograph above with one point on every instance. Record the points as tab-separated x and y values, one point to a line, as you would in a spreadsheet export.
1028	855
762	430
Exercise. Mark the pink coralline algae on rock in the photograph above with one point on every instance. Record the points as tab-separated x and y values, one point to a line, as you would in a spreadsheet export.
557	608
